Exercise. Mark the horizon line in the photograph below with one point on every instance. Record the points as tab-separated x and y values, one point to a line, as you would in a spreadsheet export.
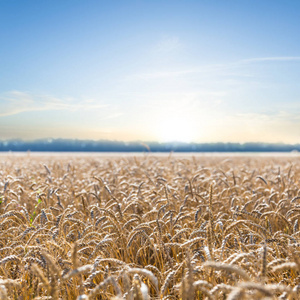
50	140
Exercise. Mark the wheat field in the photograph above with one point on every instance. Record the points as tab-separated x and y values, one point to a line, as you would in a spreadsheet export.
149	227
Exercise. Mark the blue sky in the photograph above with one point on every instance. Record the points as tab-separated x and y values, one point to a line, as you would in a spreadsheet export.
202	71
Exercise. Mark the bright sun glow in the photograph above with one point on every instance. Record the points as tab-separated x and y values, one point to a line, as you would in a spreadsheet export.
175	129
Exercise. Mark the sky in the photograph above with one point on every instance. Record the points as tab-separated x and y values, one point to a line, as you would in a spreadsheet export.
168	70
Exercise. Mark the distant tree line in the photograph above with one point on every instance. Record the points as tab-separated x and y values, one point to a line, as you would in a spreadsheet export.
70	145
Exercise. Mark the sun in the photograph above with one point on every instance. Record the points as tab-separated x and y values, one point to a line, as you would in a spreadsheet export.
175	129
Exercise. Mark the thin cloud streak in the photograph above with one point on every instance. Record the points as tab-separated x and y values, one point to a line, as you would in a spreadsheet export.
279	116
213	68
167	45
274	59
16	102
113	116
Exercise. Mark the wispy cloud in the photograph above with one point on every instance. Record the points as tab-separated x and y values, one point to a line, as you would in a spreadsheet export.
270	127
230	68
15	102
168	44
271	58
113	116
272	116
164	74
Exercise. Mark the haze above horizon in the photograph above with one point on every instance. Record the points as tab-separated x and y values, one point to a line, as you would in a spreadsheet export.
191	71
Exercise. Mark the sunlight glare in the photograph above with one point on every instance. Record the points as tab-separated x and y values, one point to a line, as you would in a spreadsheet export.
175	130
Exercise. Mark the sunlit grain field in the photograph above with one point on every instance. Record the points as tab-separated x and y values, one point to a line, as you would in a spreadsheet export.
149	227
